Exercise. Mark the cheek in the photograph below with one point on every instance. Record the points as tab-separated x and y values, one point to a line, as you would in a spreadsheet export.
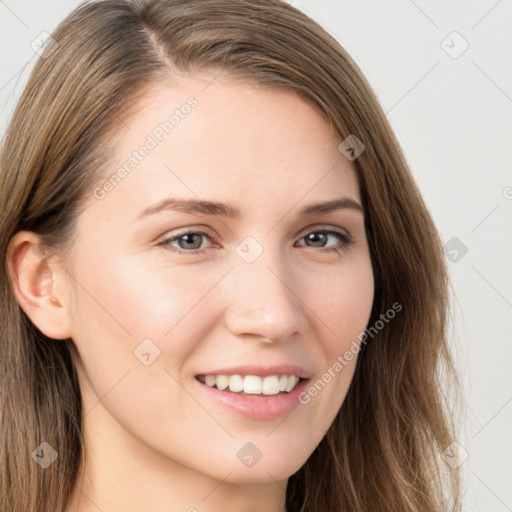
130	299
135	327
343	299
130	305
342	304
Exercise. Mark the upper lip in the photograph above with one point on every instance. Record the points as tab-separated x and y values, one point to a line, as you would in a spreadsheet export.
261	371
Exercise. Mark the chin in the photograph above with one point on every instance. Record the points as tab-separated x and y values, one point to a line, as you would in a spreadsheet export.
276	466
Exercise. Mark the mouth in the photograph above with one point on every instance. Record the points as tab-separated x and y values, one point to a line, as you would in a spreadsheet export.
255	392
254	385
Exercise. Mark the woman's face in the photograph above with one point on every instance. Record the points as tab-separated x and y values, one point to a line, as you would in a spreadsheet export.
167	296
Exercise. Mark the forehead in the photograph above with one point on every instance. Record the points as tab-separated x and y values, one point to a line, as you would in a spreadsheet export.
226	140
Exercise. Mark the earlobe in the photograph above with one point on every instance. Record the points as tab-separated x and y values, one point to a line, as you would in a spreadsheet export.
39	285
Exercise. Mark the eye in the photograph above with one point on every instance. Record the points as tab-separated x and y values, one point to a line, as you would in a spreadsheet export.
320	237
190	242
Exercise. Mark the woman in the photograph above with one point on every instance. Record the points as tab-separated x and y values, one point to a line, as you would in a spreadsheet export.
222	289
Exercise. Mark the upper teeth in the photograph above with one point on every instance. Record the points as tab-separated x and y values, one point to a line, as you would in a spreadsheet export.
252	384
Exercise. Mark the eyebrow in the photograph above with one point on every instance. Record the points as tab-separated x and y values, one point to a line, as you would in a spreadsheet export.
198	206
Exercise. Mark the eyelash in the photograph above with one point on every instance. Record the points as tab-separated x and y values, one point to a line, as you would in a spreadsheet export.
344	237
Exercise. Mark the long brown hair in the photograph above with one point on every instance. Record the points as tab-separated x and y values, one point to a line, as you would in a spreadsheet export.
382	451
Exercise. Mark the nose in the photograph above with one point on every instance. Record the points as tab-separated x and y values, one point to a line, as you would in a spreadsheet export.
262	300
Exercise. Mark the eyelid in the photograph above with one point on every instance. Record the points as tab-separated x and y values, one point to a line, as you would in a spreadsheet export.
322	227
189	229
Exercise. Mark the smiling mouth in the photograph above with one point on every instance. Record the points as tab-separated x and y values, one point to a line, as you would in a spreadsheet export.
269	385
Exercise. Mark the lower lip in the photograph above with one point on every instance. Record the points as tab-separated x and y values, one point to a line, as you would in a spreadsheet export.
256	407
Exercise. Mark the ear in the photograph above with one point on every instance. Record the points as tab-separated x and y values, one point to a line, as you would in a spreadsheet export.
40	286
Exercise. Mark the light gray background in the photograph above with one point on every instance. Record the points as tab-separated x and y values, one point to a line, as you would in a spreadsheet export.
453	117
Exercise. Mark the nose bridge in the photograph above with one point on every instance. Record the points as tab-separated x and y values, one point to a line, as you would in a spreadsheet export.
260	293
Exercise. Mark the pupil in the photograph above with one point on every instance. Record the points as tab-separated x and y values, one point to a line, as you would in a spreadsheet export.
189	239
317	237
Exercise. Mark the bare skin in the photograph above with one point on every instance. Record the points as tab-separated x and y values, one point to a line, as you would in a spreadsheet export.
155	441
